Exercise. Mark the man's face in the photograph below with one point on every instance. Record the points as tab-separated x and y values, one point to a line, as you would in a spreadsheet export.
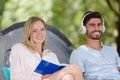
94	28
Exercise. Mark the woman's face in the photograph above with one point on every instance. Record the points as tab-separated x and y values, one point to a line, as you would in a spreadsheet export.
38	34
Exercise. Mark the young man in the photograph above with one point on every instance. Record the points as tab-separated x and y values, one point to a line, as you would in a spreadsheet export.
97	61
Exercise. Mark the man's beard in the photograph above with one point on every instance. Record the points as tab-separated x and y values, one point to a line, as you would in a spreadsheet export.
97	37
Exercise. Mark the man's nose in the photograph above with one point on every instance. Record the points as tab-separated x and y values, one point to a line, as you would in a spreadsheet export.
96	27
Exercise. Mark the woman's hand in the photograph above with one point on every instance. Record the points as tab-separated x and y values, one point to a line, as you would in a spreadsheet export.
44	77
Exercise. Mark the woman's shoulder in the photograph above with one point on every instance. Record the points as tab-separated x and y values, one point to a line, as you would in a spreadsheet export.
18	45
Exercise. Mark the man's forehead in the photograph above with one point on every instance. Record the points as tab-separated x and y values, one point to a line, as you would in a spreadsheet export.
95	20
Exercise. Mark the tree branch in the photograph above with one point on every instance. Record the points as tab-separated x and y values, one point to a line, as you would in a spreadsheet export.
118	1
110	6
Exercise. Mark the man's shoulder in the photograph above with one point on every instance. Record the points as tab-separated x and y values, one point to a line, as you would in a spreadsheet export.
79	49
108	47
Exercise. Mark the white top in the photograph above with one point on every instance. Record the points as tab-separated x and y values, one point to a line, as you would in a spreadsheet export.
23	62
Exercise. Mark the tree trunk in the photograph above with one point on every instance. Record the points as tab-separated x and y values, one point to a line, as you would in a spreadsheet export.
118	37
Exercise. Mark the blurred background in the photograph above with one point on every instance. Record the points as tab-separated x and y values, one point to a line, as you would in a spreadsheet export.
65	16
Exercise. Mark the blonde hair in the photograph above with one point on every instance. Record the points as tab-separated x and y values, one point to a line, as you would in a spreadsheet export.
27	29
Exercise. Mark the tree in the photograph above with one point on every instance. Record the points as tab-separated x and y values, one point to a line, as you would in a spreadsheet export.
2	4
64	15
116	10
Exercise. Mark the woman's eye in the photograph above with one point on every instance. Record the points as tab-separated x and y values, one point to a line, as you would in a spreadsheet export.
42	29
34	31
100	24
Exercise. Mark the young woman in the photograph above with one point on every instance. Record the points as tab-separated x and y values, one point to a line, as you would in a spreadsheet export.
26	56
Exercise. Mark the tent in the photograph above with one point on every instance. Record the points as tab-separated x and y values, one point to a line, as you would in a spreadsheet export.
56	42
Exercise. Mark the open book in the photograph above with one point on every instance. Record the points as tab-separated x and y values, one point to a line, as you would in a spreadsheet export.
46	67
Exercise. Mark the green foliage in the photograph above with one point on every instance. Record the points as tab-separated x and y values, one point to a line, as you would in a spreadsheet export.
64	15
17	10
2	3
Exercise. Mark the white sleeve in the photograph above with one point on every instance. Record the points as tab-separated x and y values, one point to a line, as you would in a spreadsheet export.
17	64
50	56
77	58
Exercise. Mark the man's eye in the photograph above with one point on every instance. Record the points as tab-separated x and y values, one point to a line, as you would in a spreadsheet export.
92	24
100	24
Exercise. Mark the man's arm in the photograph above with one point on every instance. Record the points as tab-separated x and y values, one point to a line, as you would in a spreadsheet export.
119	69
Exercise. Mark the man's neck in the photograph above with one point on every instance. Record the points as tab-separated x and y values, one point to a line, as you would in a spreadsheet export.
94	44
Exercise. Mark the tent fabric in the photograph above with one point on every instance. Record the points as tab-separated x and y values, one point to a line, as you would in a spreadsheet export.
56	42
50	28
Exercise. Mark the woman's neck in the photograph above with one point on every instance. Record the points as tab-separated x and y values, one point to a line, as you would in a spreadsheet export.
39	50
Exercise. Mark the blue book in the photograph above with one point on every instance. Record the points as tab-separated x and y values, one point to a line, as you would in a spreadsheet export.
46	67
